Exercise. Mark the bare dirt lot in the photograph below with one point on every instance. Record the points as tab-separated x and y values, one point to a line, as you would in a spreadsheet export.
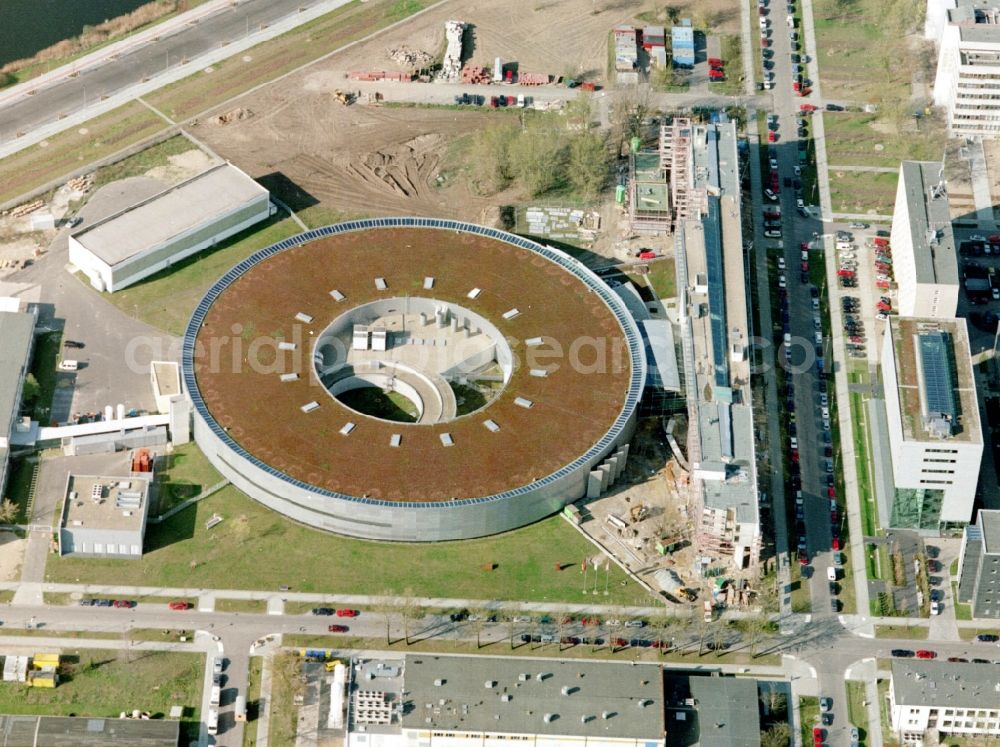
370	160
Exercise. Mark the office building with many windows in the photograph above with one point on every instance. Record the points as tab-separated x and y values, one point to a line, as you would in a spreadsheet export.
935	441
979	565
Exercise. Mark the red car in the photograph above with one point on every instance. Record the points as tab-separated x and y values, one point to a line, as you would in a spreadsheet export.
347	613
337	628
179	605
803	558
796	86
124	604
994	239
772	136
807	107
716	62
836	543
619	642
925	654
716	74
831	493
880	241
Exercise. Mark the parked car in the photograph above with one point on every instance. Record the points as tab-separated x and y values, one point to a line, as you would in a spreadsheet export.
327	611
825	705
124	604
925	654
902	653
987	638
337	628
179	605
73	344
347	613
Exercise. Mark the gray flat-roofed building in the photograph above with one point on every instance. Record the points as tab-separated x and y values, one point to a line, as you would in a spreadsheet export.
143	239
81	731
925	263
979	565
17	334
550	702
948	697
104	517
728	711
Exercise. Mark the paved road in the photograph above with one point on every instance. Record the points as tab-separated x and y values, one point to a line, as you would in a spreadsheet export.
230	23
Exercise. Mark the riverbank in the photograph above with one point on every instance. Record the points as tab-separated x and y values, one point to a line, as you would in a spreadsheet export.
93	38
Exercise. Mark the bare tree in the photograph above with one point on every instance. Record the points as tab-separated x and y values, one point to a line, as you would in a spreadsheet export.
8	511
409	611
777	736
629	109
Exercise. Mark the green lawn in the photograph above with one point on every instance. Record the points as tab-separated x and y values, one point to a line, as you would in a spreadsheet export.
166	299
857	714
149	158
855	139
962	611
902	632
183	474
258	606
255	548
104	683
809	717
862	192
662	277
858	56
97	138
869	512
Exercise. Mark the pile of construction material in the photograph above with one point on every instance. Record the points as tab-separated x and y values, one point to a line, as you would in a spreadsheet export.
476	74
81	183
235	115
452	64
533	79
27	208
380	75
411	58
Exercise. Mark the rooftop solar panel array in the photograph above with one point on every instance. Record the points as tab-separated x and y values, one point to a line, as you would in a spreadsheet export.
935	366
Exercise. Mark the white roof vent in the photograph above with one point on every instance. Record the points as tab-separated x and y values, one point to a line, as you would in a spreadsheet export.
522	402
565	690
511	314
310	406
428	283
438	683
491	425
346	430
446	439
505	698
303	317
490	684
523	677
289	377
539	373
395	440
474	293
550	717
380	284
337	295
286	346
532	342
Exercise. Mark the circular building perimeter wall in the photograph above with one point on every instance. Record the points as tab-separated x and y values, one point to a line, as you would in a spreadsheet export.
265	421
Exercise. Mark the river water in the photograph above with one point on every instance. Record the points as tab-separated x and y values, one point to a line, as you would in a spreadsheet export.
26	26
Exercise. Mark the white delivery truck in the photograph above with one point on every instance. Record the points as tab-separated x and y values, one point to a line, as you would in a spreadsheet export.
212	722
216	694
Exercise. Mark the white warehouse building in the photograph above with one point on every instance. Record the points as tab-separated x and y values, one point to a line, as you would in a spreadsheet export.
967	34
934	434
144	238
923	243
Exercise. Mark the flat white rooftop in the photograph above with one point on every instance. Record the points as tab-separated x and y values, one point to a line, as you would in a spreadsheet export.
164	216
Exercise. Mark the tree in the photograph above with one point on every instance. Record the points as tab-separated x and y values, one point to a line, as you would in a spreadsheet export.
8	511
580	111
409	611
756	624
777	736
31	390
537	157
628	110
490	156
588	163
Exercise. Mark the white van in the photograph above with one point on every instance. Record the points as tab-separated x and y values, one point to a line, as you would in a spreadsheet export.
831	573
216	694
68	365
212	722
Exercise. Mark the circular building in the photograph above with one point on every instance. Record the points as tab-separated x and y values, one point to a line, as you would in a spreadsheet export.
412	379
